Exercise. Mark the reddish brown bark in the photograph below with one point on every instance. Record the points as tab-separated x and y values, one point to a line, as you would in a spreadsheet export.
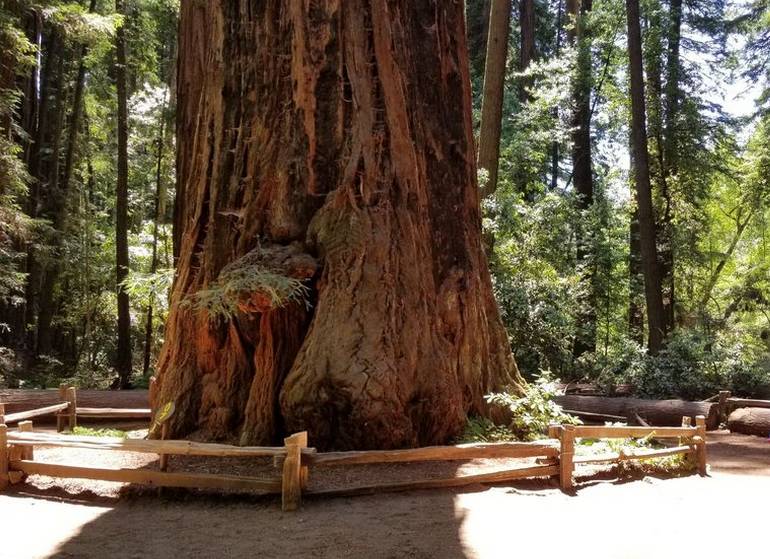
332	142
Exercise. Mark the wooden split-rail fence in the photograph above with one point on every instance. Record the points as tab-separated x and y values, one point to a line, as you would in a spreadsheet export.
67	411
555	458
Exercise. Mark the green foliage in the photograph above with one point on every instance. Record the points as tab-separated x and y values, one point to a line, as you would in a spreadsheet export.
246	283
96	432
667	465
484	430
532	413
694	366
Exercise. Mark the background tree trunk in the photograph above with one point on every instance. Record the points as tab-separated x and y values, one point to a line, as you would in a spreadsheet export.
527	51
494	90
123	360
555	112
160	203
333	145
647	237
670	167
582	169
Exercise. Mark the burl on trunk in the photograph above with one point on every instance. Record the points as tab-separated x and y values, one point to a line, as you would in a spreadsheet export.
329	142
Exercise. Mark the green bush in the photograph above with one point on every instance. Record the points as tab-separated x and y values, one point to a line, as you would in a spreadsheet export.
692	366
532	413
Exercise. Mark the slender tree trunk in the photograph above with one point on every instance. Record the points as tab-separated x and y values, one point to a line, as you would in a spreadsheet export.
477	16
635	283
38	149
582	170
555	114
494	91
51	199
671	164
647	237
527	52
31	101
123	360
159	205
332	145
740	227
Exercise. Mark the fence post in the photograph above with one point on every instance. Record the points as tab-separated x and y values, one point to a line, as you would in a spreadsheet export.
566	456
72	399
724	396
153	393
61	415
28	452
553	431
690	456
291	484
163	460
2	414
700	425
3	456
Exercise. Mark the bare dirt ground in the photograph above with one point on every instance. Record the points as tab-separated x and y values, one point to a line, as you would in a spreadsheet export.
647	518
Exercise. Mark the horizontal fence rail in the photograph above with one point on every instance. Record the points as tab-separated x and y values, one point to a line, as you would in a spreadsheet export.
457	481
152	478
29	414
600	432
117	413
546	449
147	446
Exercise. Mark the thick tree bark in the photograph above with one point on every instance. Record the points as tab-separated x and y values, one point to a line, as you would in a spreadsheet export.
123	359
582	168
494	91
332	145
647	237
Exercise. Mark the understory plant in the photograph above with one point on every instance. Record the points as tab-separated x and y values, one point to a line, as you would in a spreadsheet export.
535	410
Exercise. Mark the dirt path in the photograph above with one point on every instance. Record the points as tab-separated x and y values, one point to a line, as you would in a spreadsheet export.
641	519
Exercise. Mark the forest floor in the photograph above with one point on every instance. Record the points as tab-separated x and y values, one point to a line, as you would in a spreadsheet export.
604	518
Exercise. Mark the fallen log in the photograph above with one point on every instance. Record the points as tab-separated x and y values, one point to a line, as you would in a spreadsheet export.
750	421
736	403
659	413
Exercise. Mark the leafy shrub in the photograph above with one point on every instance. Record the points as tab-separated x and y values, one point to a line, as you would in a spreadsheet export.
484	430
692	366
532	413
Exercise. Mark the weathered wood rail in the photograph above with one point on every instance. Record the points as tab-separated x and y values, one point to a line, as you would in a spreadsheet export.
555	459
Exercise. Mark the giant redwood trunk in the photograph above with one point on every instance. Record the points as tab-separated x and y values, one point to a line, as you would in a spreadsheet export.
330	142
